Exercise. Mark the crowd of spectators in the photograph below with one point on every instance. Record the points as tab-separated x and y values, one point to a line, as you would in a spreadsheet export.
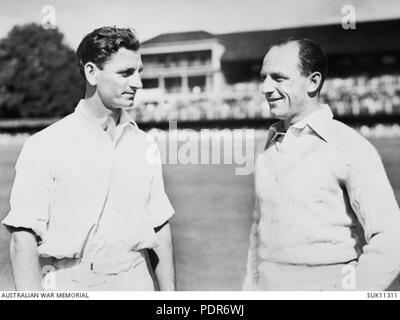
349	96
363	95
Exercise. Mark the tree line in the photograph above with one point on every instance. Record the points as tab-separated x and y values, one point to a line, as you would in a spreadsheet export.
39	75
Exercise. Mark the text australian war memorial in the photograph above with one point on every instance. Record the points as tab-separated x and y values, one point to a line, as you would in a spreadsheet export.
200	77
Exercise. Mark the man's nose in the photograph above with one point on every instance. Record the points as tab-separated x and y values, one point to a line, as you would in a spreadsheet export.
135	81
267	86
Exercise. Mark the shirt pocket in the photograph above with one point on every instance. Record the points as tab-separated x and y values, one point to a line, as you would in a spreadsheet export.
60	192
66	195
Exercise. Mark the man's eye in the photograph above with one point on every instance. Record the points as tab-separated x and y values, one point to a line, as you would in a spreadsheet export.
126	73
262	77
279	79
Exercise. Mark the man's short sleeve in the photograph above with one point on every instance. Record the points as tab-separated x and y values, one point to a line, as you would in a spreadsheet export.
30	195
159	206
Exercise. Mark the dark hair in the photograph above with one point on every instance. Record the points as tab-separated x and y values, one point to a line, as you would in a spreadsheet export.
101	43
311	57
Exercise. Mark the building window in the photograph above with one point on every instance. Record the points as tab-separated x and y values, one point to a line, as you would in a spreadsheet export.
205	57
197	83
150	83
161	61
173	84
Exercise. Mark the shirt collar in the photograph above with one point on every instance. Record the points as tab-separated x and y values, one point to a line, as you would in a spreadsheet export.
275	130
318	121
103	120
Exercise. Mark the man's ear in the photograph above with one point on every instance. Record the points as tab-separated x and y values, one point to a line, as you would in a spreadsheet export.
314	82
91	72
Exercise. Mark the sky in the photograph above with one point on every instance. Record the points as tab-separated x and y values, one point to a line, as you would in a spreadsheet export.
149	18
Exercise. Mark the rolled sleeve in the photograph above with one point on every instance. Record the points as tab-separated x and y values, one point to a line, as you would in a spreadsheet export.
30	195
159	206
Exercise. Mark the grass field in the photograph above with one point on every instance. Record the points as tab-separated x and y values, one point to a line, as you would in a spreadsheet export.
213	216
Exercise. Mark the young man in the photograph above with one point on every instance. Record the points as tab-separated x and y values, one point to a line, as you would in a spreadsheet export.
325	217
88	198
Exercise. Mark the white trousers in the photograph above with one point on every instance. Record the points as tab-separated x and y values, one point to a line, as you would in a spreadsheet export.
80	278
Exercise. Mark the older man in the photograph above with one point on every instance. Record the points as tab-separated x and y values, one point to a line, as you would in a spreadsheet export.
325	217
88	199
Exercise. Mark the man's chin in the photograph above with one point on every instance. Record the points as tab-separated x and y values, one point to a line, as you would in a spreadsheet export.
278	111
126	106
275	114
129	107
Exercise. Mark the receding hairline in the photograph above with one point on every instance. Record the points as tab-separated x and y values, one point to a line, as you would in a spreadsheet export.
296	45
294	42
